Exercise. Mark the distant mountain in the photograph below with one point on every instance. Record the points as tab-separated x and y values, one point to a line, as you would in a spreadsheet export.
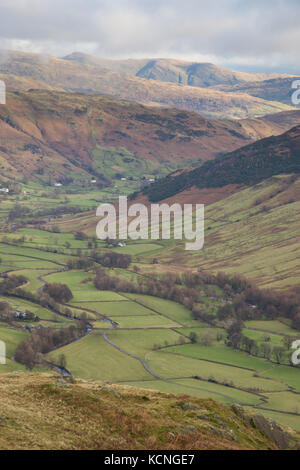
270	87
24	71
196	74
246	166
44	133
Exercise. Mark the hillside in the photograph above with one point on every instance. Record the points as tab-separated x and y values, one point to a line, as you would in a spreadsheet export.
246	166
25	70
44	133
252	231
40	411
278	89
197	74
270	87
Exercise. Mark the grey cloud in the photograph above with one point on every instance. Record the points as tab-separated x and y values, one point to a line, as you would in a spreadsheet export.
256	33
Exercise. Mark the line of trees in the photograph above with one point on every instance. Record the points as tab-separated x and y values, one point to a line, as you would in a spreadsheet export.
149	286
243	300
112	260
237	340
43	340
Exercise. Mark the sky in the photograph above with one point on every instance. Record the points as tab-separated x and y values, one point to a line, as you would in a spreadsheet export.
252	35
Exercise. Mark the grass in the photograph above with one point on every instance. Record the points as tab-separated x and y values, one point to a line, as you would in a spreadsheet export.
284	401
11	366
15	251
273	326
37	408
201	389
138	249
222	355
14	261
170	366
93	358
168	308
82	288
242	238
139	343
143	321
21	304
32	275
120	308
288	375
11	338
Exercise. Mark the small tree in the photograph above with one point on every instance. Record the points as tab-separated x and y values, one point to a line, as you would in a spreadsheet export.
206	339
266	350
193	337
278	352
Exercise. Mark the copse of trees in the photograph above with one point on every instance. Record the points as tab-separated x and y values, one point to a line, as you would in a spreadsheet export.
44	340
10	283
60	293
80	263
255	304
112	260
18	211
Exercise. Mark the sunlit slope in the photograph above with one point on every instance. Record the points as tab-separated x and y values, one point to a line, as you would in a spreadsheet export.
254	232
47	134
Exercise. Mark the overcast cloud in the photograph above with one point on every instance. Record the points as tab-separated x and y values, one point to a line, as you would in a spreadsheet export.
245	34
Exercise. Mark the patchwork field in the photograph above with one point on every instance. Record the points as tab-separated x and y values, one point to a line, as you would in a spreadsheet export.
153	343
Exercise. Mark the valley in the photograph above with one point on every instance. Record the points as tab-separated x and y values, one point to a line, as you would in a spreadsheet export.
148	342
127	333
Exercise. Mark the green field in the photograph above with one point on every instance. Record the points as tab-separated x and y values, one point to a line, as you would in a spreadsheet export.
167	308
93	358
11	338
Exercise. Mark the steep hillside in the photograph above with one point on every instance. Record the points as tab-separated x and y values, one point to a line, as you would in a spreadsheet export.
198	74
44	133
246	166
253	231
45	412
35	70
273	124
275	89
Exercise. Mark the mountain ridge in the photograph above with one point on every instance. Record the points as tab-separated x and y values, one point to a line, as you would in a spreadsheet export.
25	71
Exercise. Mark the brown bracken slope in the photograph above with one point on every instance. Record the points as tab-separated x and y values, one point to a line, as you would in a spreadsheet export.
54	133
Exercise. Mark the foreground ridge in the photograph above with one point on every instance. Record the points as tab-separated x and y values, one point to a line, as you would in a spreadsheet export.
43	411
